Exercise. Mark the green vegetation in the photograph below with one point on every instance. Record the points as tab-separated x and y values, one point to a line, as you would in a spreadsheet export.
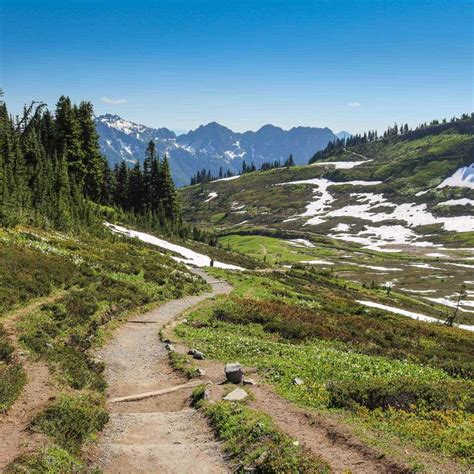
369	367
254	442
52	174
182	363
98	282
12	376
50	460
71	420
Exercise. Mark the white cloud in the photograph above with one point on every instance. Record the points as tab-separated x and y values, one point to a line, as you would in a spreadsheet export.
108	100
354	104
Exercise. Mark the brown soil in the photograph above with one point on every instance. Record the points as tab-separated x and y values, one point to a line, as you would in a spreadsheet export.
15	437
159	434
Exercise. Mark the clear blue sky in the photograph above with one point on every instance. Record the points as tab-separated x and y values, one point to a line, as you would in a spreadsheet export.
349	65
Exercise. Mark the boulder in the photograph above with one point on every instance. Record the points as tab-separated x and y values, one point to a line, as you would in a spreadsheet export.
170	347
191	352
234	372
201	372
236	395
298	381
198	355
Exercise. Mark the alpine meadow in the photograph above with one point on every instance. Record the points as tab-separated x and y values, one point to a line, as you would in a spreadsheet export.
236	237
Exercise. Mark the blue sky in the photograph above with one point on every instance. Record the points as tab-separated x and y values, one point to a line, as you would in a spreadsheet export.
349	65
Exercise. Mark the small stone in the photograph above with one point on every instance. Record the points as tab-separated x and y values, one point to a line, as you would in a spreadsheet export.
249	382
234	372
236	395
201	372
298	381
170	347
184	321
198	355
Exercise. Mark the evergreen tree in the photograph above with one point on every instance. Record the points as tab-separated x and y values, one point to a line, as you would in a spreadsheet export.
93	162
68	139
168	193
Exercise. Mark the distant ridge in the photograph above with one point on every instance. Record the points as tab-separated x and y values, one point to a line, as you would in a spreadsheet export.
209	146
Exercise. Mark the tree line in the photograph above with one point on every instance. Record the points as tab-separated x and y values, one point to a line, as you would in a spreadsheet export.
205	176
52	173
397	130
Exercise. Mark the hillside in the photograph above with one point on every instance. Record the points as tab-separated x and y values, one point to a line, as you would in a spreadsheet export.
383	213
398	190
210	146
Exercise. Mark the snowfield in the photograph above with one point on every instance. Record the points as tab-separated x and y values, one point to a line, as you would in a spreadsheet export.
410	314
462	178
188	257
375	208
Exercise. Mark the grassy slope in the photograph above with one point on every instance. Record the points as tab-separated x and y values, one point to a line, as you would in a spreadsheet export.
302	325
104	279
406	165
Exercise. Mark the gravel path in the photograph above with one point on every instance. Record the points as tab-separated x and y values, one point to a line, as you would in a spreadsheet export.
160	434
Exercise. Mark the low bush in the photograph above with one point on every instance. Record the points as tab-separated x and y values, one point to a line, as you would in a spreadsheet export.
71	420
12	379
404	393
50	460
184	364
6	349
254	442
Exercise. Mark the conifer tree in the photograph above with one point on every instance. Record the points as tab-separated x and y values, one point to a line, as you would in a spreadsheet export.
168	193
93	161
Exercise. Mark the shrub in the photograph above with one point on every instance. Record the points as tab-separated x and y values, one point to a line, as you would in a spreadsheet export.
6	349
12	379
404	393
197	395
70	420
254	441
51	460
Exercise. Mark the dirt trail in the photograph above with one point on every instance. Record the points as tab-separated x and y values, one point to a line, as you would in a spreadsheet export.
14	435
160	434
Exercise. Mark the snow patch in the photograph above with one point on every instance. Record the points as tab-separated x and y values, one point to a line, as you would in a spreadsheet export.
410	314
301	243
211	196
462	178
188	257
340	165
457	202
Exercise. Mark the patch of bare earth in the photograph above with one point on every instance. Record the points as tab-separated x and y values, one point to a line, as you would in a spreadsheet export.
15	437
158	434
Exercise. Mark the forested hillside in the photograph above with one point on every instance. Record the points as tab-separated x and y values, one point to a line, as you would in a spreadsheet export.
52	174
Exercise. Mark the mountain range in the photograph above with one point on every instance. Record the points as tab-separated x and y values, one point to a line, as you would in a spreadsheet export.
210	146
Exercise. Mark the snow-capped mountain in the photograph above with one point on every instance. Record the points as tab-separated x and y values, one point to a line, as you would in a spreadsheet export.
210	146
343	134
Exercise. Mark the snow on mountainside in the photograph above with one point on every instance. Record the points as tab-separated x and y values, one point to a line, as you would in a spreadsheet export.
210	146
462	178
